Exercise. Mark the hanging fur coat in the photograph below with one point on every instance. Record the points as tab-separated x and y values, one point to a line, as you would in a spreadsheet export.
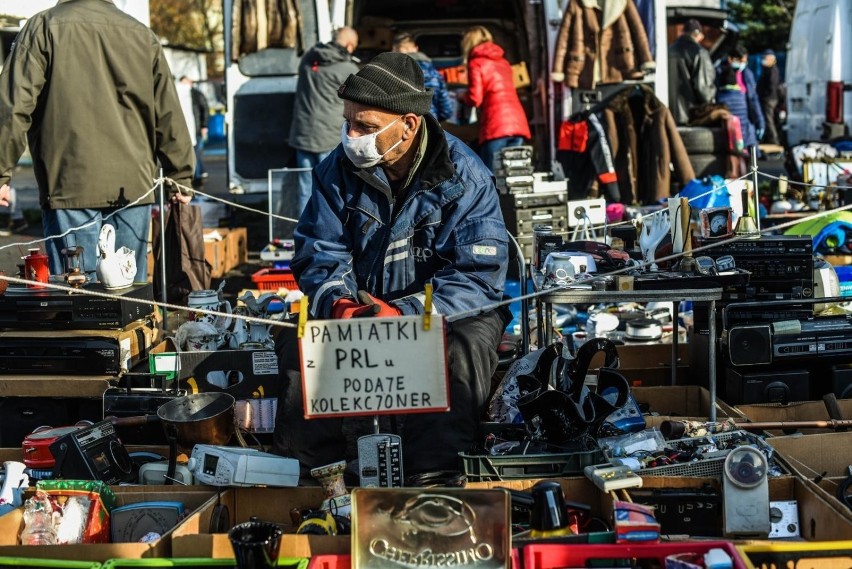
259	24
600	46
646	146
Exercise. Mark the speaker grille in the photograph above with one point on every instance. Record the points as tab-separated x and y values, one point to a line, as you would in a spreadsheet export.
750	345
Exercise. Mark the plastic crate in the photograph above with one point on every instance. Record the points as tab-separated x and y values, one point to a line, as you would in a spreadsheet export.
483	467
330	562
708	468
273	279
810	555
286	562
550	556
46	563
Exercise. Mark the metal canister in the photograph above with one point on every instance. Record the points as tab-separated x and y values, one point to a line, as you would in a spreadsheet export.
35	269
539	231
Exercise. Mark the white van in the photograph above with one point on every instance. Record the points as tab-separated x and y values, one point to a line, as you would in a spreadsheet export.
819	71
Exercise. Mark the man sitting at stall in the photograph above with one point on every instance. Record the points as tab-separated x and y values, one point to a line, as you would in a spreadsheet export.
398	204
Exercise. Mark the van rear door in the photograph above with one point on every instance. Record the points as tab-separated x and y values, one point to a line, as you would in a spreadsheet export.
811	63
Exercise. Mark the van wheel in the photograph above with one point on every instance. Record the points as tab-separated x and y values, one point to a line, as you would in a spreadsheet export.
703	140
708	164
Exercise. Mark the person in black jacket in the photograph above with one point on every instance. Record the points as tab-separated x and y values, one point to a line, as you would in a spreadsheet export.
692	76
201	114
768	88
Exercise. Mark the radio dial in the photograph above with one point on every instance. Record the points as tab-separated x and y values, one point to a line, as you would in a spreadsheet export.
191	464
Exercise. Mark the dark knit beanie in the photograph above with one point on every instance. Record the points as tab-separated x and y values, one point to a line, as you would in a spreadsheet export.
391	81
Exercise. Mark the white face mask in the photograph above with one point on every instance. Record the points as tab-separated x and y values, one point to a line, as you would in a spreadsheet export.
362	150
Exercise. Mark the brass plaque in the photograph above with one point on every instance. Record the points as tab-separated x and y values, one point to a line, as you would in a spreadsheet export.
430	527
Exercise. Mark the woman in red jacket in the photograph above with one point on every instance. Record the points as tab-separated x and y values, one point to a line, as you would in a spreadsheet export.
502	121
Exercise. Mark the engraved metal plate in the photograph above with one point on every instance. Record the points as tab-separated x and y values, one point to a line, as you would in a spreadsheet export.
434	527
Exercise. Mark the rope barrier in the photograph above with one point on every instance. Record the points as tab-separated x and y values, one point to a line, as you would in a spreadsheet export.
634	266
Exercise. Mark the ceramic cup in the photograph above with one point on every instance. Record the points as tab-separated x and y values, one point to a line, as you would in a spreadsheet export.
201	302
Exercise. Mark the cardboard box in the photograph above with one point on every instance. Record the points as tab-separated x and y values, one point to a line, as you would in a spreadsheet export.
194	498
54	385
682	402
225	249
819	520
192	538
825	456
577	489
215	251
798	411
458	75
648	365
206	371
236	247
202	371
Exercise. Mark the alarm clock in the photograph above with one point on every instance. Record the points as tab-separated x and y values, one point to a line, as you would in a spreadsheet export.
716	222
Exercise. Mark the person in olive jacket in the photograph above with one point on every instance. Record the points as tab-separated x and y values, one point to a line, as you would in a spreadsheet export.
88	87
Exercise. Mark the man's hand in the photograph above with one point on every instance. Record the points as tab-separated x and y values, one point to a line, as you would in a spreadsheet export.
344	308
5	195
180	198
384	310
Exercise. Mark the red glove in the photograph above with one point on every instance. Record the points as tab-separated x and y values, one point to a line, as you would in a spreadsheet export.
370	303
344	308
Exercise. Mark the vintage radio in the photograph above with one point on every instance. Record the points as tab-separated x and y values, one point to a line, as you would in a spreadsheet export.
36	445
49	309
790	340
92	453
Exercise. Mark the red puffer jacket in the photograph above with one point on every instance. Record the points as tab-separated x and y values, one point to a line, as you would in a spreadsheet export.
492	91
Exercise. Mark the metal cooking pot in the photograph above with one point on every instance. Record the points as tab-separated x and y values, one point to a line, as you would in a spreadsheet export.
200	418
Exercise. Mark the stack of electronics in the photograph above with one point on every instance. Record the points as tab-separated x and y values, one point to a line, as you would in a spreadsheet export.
774	348
524	212
53	332
514	171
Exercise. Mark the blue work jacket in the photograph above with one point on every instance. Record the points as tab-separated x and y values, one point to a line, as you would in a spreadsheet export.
446	229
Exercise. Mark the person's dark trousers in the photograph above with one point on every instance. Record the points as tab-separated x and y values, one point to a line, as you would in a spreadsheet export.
431	441
768	106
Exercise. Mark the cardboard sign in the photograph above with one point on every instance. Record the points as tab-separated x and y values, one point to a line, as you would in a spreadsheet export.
374	366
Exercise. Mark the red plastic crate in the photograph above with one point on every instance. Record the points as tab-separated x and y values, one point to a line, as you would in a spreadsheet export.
273	279
330	562
549	556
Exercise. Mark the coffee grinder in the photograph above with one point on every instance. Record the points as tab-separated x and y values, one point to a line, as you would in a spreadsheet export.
74	274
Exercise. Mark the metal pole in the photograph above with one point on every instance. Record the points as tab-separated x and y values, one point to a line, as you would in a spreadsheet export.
269	201
711	349
163	280
754	180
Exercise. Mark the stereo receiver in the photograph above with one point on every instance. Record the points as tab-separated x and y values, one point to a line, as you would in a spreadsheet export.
49	309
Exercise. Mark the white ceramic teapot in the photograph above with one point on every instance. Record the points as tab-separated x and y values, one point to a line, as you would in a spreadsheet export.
115	269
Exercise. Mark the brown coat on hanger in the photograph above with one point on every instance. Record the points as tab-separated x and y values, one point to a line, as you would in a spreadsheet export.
624	52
